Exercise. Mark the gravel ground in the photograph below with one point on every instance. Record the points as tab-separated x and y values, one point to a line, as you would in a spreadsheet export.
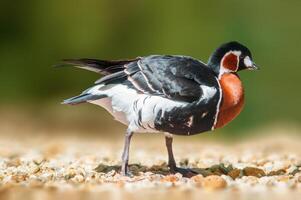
77	168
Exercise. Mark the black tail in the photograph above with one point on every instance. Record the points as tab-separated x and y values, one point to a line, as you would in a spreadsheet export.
104	67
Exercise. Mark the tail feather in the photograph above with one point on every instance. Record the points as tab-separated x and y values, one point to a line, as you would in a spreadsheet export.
104	67
83	98
112	69
111	78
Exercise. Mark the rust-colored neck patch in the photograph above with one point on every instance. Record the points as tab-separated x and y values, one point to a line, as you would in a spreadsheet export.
232	99
230	62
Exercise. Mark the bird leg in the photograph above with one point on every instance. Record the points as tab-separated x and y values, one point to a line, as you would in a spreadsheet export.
171	160
125	154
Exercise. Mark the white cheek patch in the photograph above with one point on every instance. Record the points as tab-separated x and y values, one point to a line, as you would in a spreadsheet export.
248	62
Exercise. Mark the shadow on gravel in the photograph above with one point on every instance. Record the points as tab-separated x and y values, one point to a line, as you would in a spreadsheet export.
219	170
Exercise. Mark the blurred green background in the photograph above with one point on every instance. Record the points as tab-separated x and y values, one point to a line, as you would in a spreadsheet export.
34	35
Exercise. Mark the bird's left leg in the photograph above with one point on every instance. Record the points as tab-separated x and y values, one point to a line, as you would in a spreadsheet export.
171	160
125	154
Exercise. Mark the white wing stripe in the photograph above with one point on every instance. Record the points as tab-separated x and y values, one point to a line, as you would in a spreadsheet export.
147	81
218	105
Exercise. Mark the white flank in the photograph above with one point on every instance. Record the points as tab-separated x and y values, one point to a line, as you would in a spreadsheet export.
150	106
106	104
125	103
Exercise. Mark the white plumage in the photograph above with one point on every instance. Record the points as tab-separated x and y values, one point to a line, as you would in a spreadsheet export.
125	104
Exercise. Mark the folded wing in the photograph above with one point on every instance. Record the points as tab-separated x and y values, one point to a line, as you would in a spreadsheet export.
175	77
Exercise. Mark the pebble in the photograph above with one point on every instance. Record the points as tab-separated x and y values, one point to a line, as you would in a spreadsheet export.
78	179
276	173
19	177
235	173
14	162
35	169
252	171
214	182
39	160
170	178
198	180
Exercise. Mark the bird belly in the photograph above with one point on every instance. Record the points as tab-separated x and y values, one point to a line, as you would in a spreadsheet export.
106	103
134	109
149	108
232	99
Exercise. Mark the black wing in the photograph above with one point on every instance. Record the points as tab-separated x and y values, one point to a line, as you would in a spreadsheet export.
174	77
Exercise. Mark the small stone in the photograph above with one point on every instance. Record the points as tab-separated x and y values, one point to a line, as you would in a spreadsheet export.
78	179
111	173
214	182
277	172
283	179
184	162
268	167
19	177
170	178
198	180
225	169
179	175
135	169
215	169
253	171
293	171
14	162
252	180
70	174
39	160
277	165
235	173
228	179
35	169
101	168
267	181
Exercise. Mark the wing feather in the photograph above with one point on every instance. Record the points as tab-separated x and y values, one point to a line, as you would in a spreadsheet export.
174	77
